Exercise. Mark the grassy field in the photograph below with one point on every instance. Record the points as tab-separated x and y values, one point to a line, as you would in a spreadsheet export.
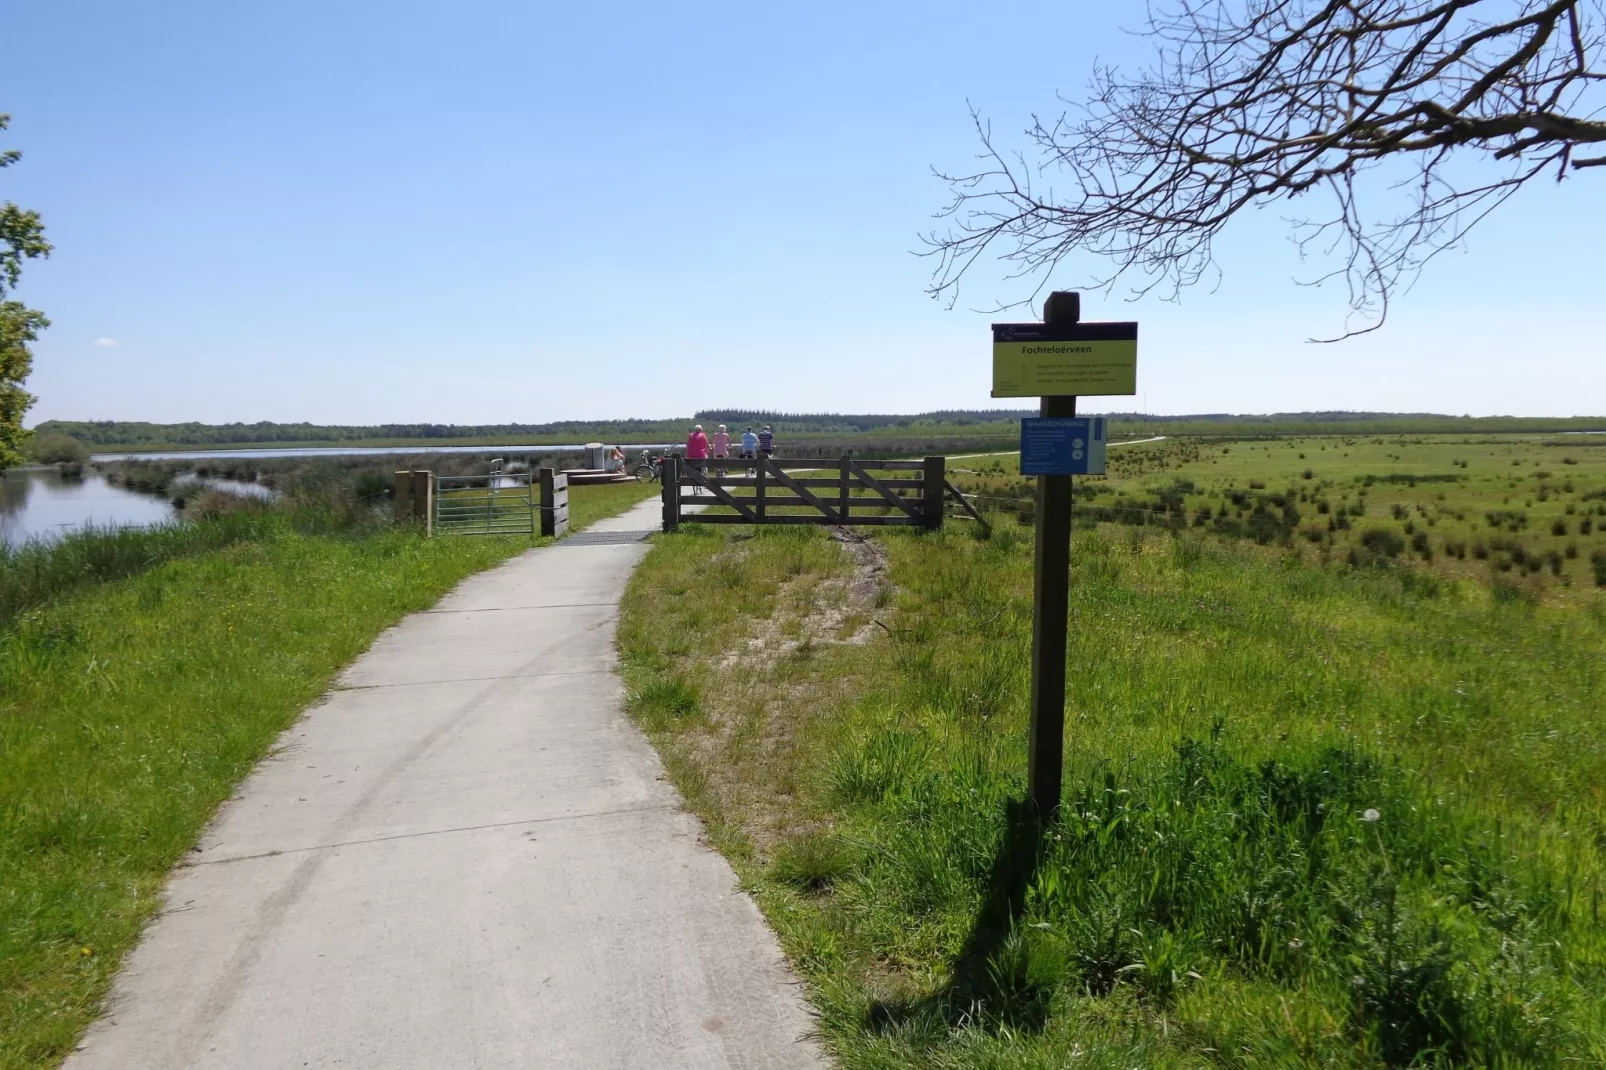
131	707
1314	816
1527	511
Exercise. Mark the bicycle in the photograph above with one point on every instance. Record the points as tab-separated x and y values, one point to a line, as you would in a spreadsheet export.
649	468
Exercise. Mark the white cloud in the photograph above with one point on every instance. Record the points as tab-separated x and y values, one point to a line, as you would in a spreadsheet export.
105	343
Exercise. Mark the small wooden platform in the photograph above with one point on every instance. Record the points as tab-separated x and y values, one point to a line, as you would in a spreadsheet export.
579	477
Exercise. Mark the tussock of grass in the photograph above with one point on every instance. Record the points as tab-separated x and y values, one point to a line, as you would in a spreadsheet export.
1217	891
812	862
665	696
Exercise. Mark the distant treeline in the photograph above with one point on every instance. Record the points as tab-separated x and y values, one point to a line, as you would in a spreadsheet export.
134	433
827	423
985	422
109	433
1349	423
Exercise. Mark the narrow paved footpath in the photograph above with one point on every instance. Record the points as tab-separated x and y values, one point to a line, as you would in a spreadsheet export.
465	856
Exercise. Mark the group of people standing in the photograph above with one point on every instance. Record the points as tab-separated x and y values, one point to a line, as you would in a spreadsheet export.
700	448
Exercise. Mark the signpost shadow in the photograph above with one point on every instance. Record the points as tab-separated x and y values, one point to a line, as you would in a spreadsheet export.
981	988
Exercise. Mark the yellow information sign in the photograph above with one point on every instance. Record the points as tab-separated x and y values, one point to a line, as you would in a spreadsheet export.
1037	360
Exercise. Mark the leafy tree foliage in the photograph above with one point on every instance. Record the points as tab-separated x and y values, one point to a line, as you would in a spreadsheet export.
22	237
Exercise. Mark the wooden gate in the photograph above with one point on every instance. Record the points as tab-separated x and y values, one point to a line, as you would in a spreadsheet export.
845	491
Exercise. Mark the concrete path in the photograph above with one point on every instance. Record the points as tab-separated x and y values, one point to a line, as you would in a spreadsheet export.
465	856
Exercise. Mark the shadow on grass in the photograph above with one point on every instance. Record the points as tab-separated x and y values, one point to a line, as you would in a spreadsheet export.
990	983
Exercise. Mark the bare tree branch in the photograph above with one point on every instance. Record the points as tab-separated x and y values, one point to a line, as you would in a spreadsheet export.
1413	119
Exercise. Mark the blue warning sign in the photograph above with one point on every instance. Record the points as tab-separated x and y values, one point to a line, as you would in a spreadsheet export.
1062	446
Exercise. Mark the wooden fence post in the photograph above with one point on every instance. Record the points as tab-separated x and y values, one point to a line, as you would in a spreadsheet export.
936	481
758	486
847	472
424	500
671	480
1045	750
402	493
554	503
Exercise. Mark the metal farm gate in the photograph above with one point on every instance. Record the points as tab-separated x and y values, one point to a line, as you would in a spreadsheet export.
496	503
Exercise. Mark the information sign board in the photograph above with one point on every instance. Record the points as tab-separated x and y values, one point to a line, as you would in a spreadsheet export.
1062	446
1057	359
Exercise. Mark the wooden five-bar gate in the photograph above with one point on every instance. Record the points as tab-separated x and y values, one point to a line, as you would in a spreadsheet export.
841	491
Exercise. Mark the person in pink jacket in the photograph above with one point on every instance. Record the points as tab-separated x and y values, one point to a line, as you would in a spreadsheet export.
697	451
721	446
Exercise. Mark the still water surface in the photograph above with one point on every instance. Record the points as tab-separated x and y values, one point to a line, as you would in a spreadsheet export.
40	504
43	505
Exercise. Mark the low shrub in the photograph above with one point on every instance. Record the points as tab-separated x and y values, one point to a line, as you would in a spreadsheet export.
1510	519
1383	542
211	503
51	447
1513	548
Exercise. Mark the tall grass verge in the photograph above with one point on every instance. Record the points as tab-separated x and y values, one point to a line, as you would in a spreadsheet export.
1312	817
36	572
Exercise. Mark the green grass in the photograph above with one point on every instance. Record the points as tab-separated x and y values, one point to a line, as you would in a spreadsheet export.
1217	893
1528	512
587	504
37	572
130	709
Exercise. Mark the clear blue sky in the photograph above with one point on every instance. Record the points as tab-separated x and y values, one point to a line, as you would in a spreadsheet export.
484	211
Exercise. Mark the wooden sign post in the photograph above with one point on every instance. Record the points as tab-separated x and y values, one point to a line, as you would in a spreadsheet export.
1057	360
1051	596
